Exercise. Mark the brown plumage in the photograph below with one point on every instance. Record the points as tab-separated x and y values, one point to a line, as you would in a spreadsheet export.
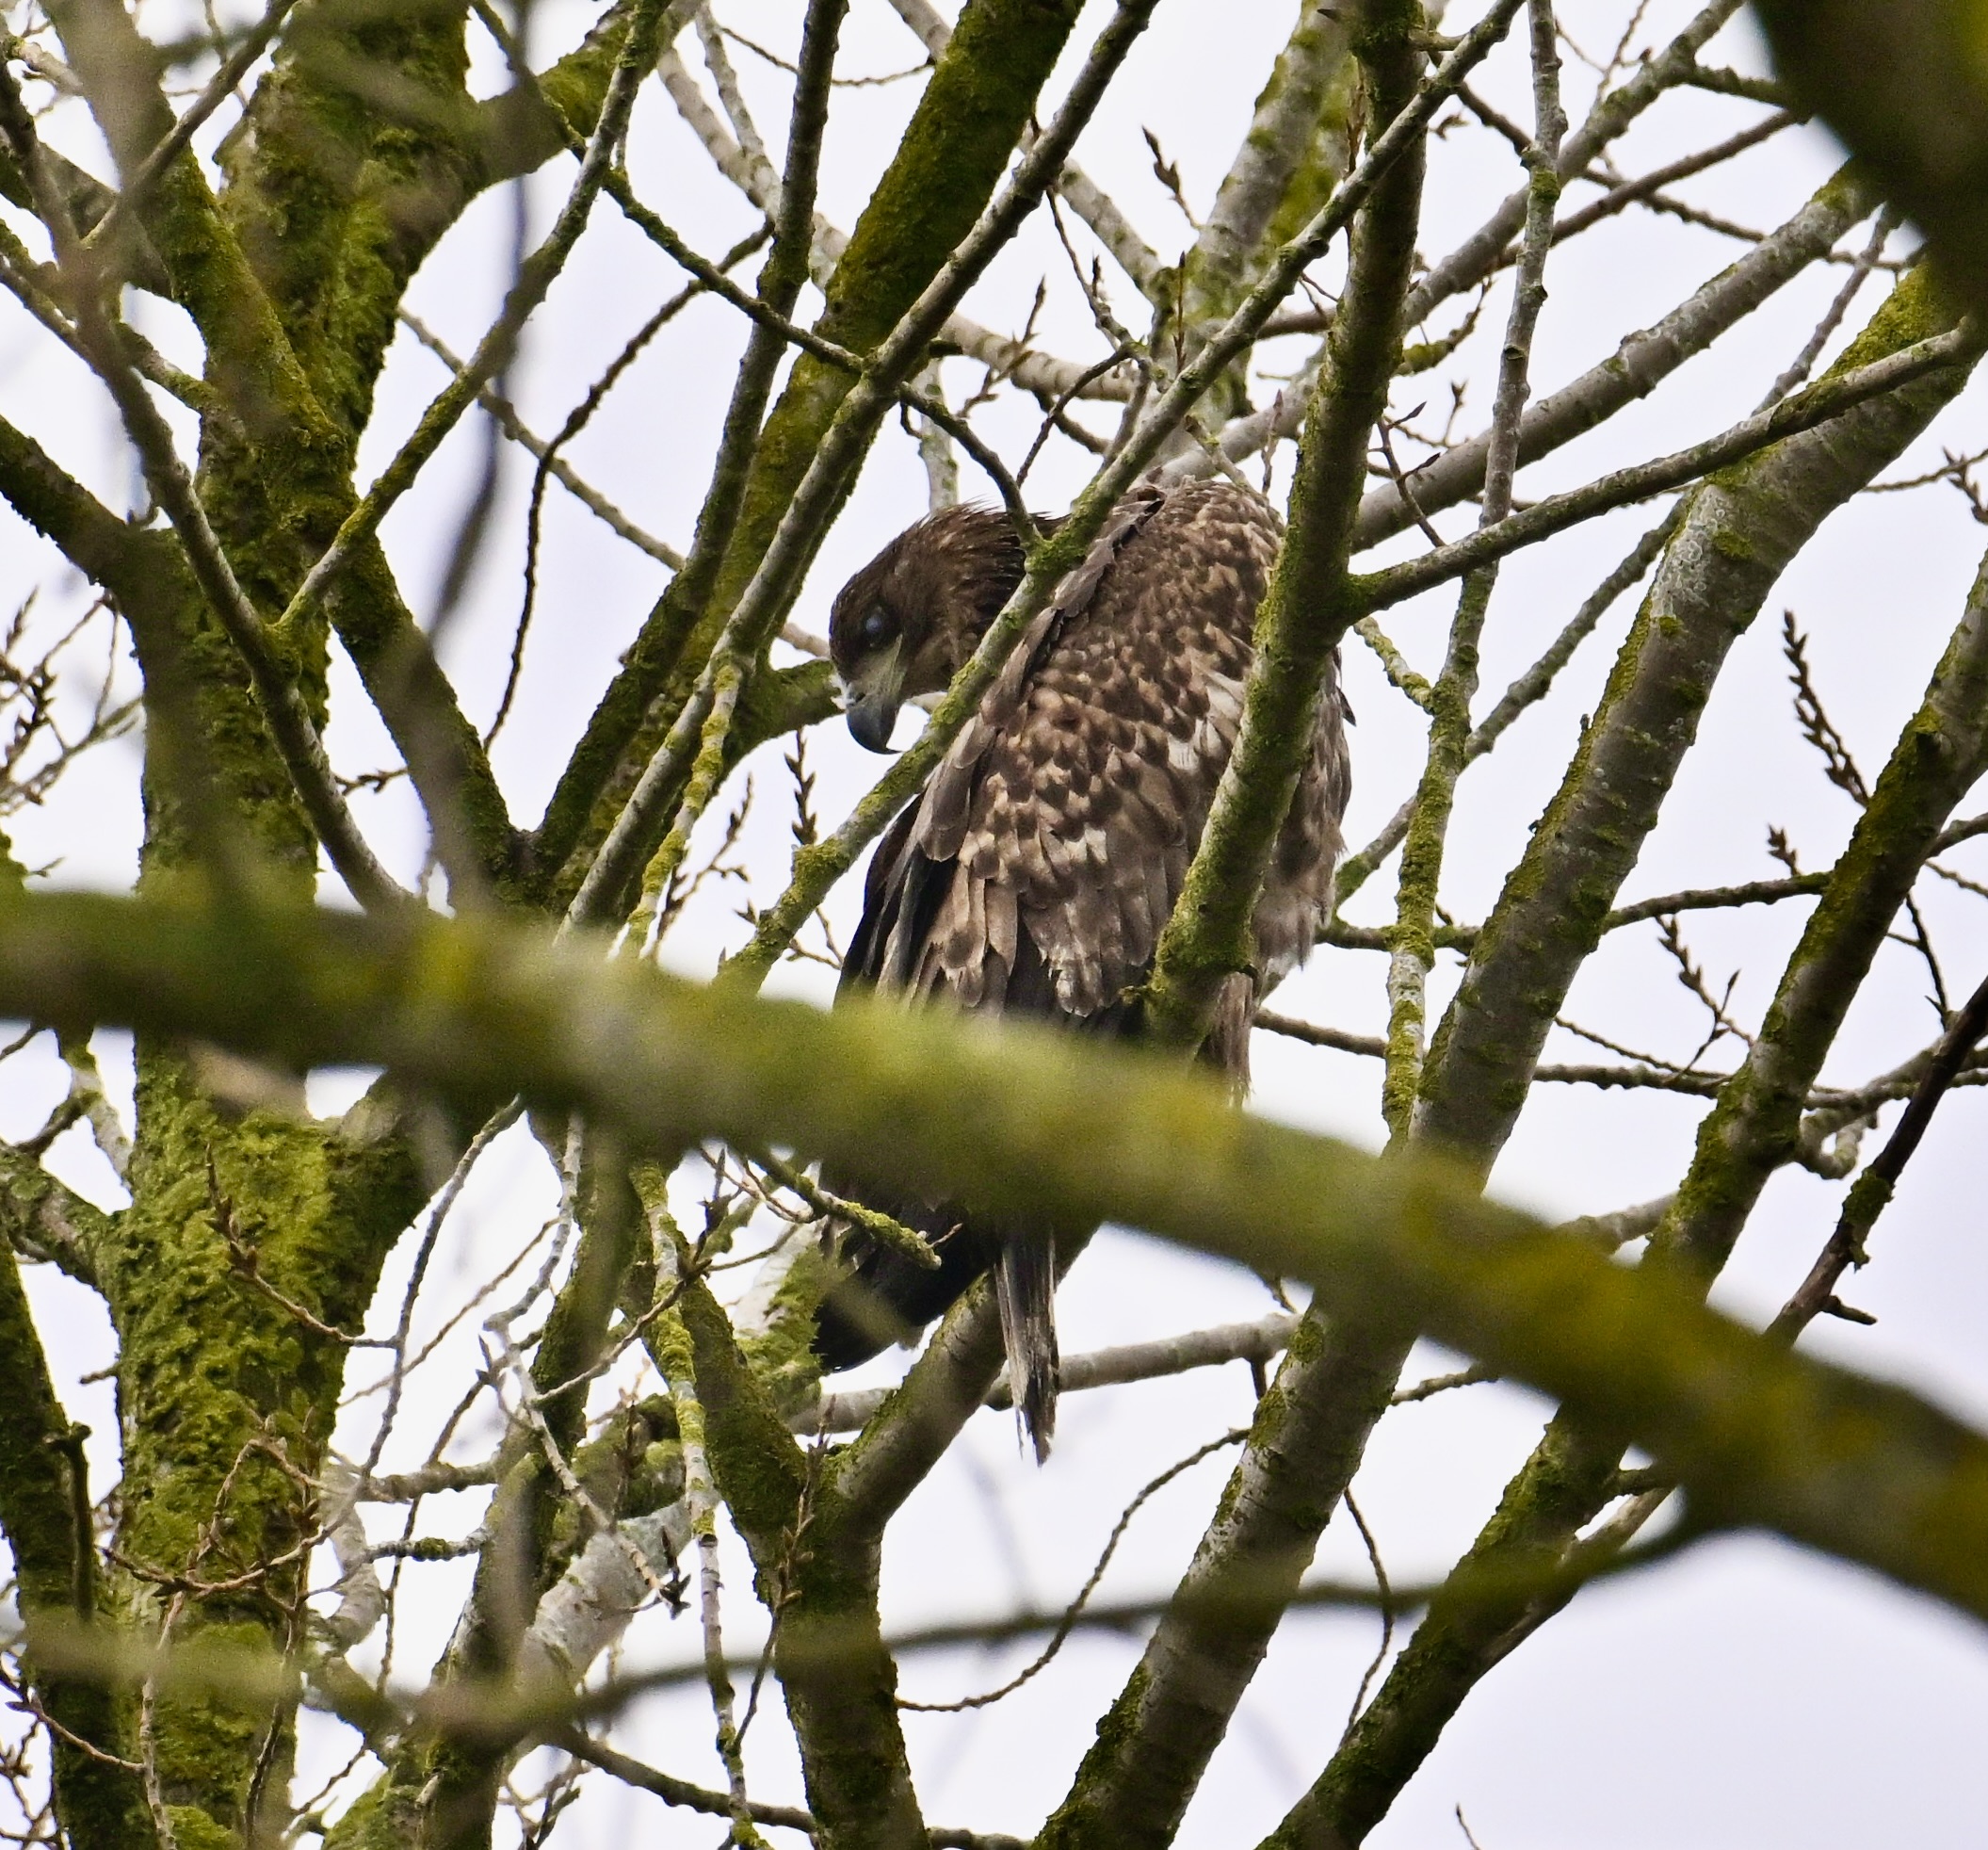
1038	868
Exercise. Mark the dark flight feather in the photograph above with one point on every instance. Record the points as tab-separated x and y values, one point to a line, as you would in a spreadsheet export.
1036	870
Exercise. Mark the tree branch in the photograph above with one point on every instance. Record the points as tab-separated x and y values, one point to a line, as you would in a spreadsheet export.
97	1799
1548	918
1085	198
1842	392
44	1220
1411	945
1755	1128
1306	610
852	1409
1872	1190
1641	362
467	1009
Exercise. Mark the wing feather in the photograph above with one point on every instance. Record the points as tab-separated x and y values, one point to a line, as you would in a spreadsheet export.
1057	830
1039	866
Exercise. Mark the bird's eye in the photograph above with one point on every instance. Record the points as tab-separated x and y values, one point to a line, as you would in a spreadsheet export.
877	627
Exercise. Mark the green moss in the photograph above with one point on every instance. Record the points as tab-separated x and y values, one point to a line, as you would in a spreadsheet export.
385	1815
222	1394
632	1467
192	1829
326	194
1917	309
781	1356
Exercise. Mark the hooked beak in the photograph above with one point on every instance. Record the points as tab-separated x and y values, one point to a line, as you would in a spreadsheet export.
871	698
873	717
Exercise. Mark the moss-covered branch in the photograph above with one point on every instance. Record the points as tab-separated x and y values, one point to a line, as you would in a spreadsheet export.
47	1527
1904	84
1569	1477
1942	753
226	1396
1412	943
1305	1444
44	1220
917	1419
470	1010
819	1571
1307	610
249	356
359	150
1742	530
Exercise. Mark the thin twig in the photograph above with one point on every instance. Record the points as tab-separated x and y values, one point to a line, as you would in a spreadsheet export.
1075	1610
1386	1604
1804	362
1632	191
1411	945
1872	1190
1817	404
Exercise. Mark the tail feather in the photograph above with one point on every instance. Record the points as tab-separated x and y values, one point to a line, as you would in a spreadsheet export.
1025	1290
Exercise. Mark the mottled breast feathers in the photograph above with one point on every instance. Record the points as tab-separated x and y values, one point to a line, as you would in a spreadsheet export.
1040	864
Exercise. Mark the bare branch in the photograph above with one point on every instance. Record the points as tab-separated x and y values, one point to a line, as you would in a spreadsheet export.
291	726
493	351
1820	405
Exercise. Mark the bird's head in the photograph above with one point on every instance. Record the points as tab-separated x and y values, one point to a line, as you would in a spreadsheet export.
903	624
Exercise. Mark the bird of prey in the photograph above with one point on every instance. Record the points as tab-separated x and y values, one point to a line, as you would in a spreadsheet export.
1035	871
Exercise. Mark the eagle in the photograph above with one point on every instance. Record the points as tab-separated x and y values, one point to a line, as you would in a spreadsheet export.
1035	870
